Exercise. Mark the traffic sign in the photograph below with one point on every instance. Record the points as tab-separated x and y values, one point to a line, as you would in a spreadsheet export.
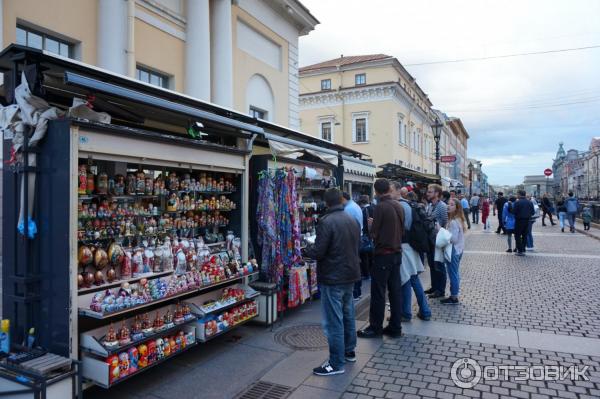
548	172
448	158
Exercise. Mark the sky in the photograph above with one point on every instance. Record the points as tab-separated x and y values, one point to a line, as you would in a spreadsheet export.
516	109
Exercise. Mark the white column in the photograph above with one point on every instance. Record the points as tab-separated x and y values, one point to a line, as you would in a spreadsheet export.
112	35
221	52
197	50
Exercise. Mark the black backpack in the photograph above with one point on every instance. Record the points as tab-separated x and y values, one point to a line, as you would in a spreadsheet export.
421	236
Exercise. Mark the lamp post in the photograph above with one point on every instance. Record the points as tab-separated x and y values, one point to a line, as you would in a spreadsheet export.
470	178
437	134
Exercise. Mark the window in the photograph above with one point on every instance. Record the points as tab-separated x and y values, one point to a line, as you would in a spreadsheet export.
30	38
360	79
152	77
258	113
360	135
401	130
326	84
326	131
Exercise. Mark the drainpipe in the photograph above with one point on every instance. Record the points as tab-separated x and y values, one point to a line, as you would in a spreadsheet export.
131	67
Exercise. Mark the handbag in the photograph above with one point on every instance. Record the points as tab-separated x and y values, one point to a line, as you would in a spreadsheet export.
366	244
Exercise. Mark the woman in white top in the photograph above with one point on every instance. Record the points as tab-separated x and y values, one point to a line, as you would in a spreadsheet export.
456	226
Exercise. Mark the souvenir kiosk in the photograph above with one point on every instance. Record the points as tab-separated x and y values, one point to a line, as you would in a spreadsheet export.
417	180
358	176
290	172
139	196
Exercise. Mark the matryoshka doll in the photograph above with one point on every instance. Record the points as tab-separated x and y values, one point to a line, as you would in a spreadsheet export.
143	356
82	186
173	181
123	364
137	263
159	185
120	185
130	185
102	187
152	352
90	186
126	271
114	369
166	347
172	203
149	186
140	183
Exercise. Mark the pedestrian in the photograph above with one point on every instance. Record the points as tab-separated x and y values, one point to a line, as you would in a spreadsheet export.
499	208
547	209
474	202
456	227
366	253
586	215
523	211
562	213
354	210
485	212
572	205
438	211
336	253
536	215
412	265
509	222
387	230
465	205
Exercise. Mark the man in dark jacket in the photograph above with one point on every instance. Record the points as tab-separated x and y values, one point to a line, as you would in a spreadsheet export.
338	268
523	210
499	207
387	230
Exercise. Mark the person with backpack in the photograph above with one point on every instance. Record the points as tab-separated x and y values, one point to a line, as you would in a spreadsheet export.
572	205
437	211
412	264
509	222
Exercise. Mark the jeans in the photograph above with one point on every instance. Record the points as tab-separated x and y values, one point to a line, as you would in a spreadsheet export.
561	219
571	216
509	234
414	284
521	226
466	211
530	234
437	272
338	321
475	213
453	273
385	275
544	213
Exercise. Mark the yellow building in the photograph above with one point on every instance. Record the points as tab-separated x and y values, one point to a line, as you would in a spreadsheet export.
241	54
372	104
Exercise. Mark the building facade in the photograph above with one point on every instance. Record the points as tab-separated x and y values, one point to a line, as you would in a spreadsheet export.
573	172
239	54
372	104
591	168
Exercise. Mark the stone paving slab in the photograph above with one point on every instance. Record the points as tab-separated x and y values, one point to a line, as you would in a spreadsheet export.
418	367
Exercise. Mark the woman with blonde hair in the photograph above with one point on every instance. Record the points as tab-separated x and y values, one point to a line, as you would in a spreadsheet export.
456	226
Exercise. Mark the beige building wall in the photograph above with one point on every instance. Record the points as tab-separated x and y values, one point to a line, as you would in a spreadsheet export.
245	66
68	19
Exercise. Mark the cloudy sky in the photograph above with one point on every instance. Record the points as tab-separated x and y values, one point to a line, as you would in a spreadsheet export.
515	109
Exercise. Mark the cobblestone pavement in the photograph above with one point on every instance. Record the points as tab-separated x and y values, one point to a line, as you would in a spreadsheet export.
419	367
551	297
550	294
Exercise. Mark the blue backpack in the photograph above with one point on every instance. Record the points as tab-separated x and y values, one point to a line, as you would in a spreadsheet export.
572	205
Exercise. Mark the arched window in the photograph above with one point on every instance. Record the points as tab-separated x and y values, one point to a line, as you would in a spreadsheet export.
259	98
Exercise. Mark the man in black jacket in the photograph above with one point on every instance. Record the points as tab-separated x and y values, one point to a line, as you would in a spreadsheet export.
387	230
499	208
338	268
523	210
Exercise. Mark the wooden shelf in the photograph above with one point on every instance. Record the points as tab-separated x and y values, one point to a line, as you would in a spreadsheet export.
102	287
104	316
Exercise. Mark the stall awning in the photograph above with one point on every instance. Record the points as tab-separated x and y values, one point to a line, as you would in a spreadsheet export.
452	182
284	147
392	171
358	167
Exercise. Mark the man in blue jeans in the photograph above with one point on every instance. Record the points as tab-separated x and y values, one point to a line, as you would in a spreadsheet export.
572	205
338	268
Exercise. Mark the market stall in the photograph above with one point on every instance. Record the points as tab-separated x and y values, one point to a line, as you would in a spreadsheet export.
413	178
358	176
133	217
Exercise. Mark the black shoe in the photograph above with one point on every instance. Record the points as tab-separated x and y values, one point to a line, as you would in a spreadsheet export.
553	224
520	253
449	301
429	291
424	318
327	369
392	333
497	232
509	250
368	333
543	225
435	295
350	356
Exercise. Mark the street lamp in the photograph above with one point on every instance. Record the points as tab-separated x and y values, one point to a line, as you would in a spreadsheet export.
470	178
437	134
